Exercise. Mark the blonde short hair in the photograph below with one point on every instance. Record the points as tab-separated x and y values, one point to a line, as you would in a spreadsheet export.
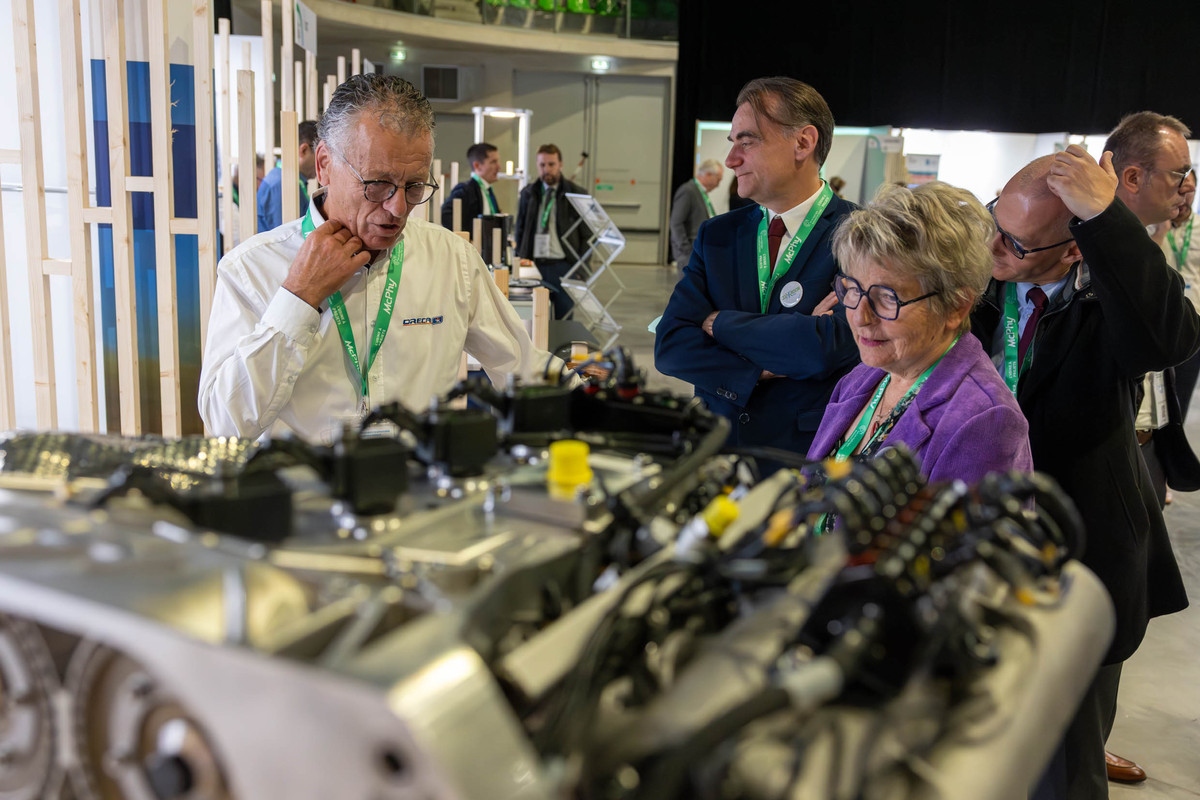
938	234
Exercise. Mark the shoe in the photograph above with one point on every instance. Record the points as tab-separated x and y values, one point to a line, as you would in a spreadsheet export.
1122	769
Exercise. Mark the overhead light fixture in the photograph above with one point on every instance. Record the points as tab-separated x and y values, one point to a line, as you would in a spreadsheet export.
502	114
601	64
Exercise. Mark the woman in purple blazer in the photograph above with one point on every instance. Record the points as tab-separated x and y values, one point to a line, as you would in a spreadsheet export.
913	265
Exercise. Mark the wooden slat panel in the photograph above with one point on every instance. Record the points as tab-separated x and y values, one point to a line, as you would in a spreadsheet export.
34	198
287	57
78	197
440	196
122	211
139	183
181	226
289	136
298	83
541	318
355	61
164	210
310	86
56	266
8	408
268	71
100	215
248	209
341	70
206	190
225	144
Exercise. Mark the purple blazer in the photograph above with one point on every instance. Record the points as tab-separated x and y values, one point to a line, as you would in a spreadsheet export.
963	423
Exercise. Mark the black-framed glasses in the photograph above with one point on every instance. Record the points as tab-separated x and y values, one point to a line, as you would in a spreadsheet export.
1012	245
884	301
415	193
1181	174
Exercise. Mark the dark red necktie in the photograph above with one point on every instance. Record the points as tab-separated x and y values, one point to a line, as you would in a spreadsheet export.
1038	298
774	236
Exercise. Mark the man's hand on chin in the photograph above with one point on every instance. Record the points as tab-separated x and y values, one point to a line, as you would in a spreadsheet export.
327	259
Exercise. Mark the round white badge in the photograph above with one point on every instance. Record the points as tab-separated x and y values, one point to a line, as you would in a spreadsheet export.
790	294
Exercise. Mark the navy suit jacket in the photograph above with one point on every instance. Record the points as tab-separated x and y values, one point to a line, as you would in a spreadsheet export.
472	204
813	352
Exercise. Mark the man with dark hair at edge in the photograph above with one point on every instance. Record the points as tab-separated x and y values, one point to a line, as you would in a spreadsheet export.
476	191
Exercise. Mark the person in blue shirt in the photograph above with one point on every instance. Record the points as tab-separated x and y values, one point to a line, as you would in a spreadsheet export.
270	198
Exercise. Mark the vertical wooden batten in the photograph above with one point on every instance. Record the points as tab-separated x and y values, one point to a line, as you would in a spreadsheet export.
34	197
164	213
206	189
79	198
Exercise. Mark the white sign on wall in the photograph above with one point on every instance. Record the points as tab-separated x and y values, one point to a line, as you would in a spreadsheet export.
306	27
891	144
922	168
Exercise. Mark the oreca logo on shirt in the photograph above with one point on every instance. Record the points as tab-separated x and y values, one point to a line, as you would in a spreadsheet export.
423	321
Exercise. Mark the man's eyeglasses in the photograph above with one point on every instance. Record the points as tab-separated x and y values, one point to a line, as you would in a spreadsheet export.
884	301
1181	174
1012	245
382	191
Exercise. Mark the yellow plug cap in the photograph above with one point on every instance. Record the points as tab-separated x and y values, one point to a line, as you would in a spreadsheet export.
569	464
837	469
719	513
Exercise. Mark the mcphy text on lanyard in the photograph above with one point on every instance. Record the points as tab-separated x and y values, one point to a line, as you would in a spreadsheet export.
483	189
766	280
1012	319
387	304
704	197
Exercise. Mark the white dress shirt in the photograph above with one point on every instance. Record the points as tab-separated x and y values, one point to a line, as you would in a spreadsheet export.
793	218
272	363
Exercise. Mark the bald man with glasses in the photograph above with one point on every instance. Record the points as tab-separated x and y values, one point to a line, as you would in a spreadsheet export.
357	303
1081	305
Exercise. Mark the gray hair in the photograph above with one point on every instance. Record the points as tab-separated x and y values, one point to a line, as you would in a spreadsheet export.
710	166
396	104
937	234
1135	141
791	104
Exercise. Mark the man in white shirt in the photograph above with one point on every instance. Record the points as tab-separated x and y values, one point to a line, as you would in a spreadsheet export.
355	304
745	323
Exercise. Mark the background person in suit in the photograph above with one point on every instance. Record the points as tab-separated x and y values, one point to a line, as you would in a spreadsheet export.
690	207
543	217
743	323
476	191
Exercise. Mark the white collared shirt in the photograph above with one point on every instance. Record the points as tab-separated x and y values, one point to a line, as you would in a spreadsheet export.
1025	305
272	363
793	218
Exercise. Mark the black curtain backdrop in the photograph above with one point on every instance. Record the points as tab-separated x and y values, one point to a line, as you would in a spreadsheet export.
1002	65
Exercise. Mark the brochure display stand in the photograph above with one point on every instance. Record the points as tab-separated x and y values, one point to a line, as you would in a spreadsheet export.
590	282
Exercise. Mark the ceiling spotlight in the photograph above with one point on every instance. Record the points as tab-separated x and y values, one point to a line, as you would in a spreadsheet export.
502	114
399	54
601	64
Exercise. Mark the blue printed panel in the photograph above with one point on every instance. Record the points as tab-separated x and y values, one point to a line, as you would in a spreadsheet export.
145	267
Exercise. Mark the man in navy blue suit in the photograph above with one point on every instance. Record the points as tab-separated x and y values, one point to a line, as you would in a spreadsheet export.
745	324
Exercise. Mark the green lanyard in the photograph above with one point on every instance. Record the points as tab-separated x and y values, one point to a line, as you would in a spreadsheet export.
704	197
766	280
1012	319
235	196
487	198
860	430
383	319
1181	253
546	207
824	524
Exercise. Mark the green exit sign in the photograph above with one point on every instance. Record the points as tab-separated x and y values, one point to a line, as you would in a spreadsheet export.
604	187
